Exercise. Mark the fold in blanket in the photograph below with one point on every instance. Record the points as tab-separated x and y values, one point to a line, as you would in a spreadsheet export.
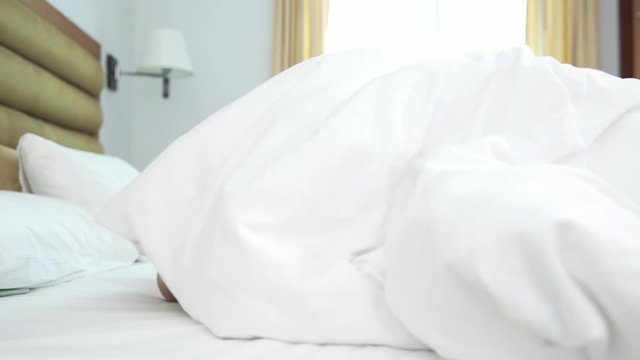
516	262
360	198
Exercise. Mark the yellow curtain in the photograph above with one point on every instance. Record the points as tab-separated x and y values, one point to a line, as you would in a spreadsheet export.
568	30
298	31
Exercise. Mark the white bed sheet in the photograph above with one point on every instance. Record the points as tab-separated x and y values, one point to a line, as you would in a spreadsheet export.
120	314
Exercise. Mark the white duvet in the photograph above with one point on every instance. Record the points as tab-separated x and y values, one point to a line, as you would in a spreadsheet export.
475	206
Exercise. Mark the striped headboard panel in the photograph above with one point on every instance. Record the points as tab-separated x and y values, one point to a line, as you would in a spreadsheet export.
50	81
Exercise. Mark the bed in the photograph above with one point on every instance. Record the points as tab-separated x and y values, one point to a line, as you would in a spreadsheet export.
51	84
369	204
120	314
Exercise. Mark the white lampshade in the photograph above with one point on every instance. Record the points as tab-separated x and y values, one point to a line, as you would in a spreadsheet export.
166	50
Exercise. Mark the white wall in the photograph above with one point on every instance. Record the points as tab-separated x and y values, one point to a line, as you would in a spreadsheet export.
111	23
609	37
230	46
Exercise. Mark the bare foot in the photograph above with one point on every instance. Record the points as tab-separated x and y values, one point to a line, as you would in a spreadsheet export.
164	290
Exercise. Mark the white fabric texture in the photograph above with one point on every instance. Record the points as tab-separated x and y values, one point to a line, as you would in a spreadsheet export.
239	273
121	315
46	241
270	218
613	155
85	178
522	262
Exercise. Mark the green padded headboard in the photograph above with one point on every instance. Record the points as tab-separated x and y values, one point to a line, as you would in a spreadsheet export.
50	81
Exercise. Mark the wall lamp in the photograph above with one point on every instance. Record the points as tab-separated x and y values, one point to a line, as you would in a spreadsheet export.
165	57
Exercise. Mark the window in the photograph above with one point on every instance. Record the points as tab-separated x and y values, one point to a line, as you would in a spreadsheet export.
426	28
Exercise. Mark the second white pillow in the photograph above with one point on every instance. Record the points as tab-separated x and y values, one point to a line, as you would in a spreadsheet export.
84	178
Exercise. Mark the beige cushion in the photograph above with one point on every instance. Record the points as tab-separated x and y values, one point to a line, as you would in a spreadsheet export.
29	35
14	124
9	169
37	92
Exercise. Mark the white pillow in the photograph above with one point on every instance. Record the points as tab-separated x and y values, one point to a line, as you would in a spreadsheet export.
82	177
45	241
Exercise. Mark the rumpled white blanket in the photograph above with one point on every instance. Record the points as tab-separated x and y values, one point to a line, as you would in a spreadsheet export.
471	205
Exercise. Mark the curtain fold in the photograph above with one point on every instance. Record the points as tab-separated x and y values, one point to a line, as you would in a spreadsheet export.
298	31
568	30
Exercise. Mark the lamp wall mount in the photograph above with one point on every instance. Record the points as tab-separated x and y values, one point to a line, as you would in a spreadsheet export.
114	73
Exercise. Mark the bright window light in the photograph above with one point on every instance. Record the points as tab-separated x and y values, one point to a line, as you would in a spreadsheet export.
426	28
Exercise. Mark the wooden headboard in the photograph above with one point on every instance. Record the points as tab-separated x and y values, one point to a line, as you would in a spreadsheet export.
50	82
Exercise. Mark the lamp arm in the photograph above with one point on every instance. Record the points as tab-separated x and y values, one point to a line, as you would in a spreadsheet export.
165	87
141	73
164	75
